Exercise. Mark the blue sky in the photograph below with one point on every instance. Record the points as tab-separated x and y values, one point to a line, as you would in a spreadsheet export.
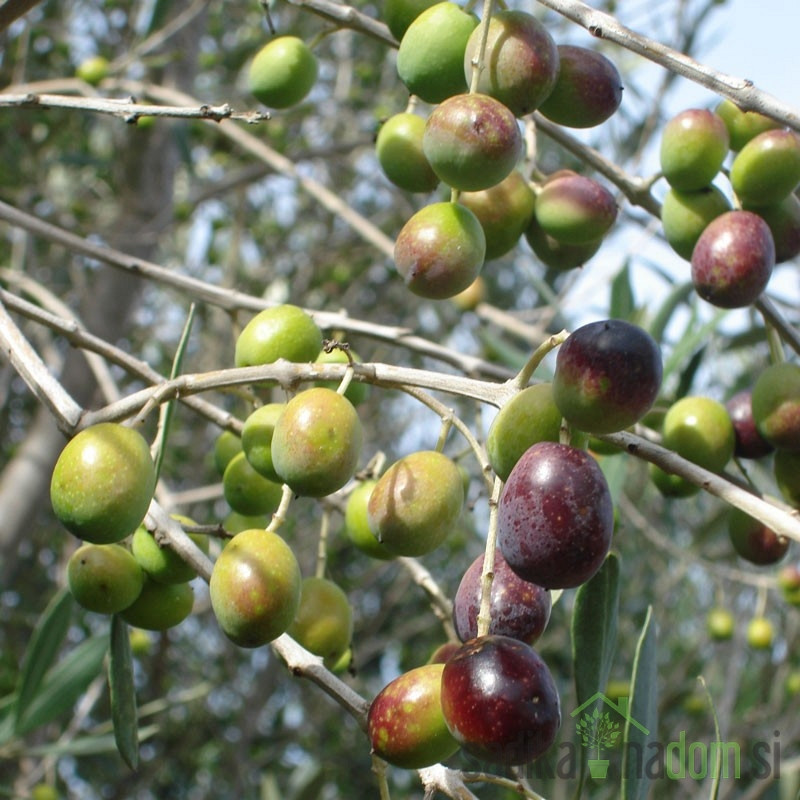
759	41
746	39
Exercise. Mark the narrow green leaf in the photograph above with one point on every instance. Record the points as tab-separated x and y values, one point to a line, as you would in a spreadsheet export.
717	738
65	683
641	724
123	693
594	630
622	304
42	650
7	706
594	635
86	745
689	373
165	417
693	338
675	299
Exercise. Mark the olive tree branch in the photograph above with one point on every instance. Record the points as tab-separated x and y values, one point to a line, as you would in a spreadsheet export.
232	300
508	783
739	90
449	782
13	9
58	308
440	604
299	660
643	524
636	190
257	147
785	521
71	330
288	374
127	109
29	365
304	664
345	16
169	530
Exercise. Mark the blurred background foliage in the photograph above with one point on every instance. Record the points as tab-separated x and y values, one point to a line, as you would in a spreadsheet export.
229	722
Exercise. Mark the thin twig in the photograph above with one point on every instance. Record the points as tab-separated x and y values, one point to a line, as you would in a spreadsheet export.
644	525
348	17
440	603
257	147
44	297
232	300
288	374
636	190
27	362
13	9
301	663
80	338
128	109
784	520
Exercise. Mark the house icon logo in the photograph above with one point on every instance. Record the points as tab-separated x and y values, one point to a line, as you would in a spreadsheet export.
601	730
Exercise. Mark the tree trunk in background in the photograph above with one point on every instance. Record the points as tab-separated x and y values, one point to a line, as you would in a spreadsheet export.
146	173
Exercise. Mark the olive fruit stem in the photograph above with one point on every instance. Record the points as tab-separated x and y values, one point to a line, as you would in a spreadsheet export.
347	377
774	317
478	61
512	784
444	412
441	605
761	602
447	424
520	381
487	573
374	467
279	517
776	354
322	544
379	768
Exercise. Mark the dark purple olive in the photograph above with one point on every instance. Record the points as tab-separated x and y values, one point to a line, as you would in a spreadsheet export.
555	516
499	700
